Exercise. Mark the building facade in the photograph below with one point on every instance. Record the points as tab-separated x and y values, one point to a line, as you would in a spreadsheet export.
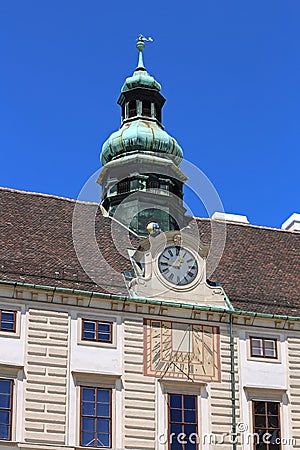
147	343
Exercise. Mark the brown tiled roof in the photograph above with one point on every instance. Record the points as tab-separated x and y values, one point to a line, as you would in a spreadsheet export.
259	269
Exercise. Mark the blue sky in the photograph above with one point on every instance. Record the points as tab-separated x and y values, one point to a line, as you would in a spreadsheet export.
229	70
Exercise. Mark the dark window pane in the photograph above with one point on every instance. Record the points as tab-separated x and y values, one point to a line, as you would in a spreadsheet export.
89	335
103	440
132	108
89	330
175	428
273	422
190	416
175	401
260	434
158	112
5	386
88	394
4	401
88	424
103	396
175	445
103	425
189	402
146	108
9	326
262	446
8	316
272	408
104	327
175	415
88	409
190	429
270	349
259	408
257	347
275	436
4	432
4	417
190	445
103	410
87	439
89	326
260	422
103	336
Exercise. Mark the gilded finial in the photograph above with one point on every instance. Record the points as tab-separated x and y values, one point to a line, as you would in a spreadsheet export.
140	45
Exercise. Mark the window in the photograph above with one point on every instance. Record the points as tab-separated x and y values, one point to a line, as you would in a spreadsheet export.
263	347
6	390
123	187
158	112
182	419
146	108
266	421
95	417
94	330
132	108
7	321
153	184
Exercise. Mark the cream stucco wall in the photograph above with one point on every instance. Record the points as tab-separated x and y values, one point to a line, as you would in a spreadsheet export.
49	361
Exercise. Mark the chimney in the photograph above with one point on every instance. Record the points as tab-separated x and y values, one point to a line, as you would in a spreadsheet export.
292	223
229	217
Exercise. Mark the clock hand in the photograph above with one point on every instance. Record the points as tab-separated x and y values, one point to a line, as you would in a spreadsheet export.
174	264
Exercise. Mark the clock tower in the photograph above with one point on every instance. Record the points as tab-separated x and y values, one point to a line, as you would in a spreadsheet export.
141	178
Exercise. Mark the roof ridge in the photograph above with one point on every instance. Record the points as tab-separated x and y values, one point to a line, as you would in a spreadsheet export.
40	194
246	225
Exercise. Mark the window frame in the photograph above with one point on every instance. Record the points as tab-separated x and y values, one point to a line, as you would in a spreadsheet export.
3	330
11	409
268	430
263	339
96	340
182	423
110	389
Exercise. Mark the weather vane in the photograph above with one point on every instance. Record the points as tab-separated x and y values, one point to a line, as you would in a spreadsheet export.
140	45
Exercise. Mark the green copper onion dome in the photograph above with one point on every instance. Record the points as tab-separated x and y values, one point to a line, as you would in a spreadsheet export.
140	136
141	130
140	78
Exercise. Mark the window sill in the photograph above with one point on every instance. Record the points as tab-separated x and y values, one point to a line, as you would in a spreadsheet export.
88	343
8	444
9	334
264	360
93	448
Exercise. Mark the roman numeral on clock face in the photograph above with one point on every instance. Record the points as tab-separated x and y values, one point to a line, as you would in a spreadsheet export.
178	265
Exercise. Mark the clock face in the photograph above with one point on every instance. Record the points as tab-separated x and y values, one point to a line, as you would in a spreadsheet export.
178	266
